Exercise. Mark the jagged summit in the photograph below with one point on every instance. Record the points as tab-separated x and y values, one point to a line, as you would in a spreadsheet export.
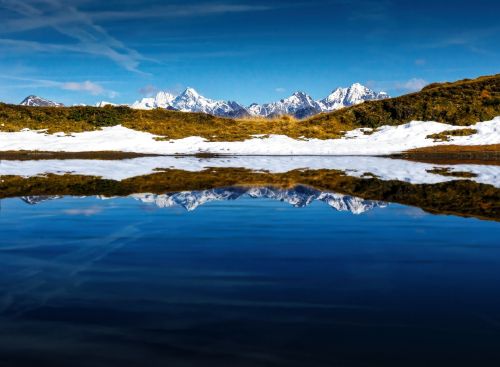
36	101
345	97
295	105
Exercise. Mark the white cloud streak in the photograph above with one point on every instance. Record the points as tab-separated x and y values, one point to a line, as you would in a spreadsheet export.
69	21
412	85
87	86
90	37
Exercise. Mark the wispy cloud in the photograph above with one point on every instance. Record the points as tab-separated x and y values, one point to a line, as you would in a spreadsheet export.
71	22
280	90
174	11
83	27
87	86
412	85
472	40
369	10
148	90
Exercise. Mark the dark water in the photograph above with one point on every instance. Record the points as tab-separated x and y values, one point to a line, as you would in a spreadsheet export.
247	282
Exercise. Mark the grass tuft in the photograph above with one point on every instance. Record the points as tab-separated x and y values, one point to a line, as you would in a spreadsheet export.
446	135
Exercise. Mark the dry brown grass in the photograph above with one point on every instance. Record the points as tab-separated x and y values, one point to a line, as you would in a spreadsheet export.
446	135
445	171
27	155
458	149
454	154
167	124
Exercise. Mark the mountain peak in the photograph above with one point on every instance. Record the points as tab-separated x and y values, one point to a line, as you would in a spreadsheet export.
36	101
191	92
355	94
357	86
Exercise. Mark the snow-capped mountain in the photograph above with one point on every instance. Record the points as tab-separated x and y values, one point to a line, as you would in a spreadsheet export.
105	103
299	197
191	101
345	97
36	101
302	105
299	104
161	100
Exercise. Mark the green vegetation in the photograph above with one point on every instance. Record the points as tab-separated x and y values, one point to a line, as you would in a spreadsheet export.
461	103
462	197
446	135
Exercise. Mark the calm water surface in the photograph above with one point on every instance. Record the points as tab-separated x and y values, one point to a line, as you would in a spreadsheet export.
246	282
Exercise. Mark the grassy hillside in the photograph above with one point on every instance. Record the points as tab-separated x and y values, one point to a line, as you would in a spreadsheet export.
460	103
170	124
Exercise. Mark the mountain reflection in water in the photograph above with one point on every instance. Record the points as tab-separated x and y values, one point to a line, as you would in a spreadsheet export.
298	197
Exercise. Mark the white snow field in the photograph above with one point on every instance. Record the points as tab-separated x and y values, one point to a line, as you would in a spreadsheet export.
357	166
385	140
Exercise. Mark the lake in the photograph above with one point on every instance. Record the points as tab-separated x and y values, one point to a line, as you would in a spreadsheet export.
249	261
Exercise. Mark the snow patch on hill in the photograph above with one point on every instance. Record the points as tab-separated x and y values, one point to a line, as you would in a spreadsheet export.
385	140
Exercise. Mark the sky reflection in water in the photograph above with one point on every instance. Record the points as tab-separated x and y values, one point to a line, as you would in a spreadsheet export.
247	282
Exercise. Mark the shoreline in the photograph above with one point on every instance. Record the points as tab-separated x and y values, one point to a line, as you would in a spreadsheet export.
443	154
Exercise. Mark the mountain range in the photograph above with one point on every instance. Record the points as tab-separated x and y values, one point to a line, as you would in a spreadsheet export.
299	104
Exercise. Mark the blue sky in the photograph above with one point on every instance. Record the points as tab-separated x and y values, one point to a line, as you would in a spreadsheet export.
84	51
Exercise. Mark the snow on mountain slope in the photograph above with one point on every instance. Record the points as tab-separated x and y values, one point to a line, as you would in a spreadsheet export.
36	101
344	97
297	105
191	101
301	105
105	103
161	100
